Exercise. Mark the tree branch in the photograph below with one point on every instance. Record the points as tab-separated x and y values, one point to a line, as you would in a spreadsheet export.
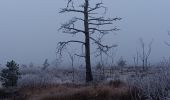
100	24
70	10
70	27
80	55
97	6
103	19
61	45
103	31
103	48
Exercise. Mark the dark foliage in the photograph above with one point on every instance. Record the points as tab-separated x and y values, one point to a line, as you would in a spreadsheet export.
10	75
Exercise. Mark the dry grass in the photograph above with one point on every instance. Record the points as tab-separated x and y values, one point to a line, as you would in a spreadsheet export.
115	90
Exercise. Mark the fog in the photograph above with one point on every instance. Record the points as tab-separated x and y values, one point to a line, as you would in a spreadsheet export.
29	28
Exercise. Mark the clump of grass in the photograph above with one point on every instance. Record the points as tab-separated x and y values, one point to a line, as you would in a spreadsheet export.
116	83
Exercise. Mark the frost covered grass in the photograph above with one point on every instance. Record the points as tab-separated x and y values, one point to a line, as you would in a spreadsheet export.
153	82
61	84
50	76
155	86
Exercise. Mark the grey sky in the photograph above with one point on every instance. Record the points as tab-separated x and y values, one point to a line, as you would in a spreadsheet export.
28	28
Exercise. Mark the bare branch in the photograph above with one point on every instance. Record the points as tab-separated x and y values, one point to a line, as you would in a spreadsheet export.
79	19
70	10
70	27
97	6
100	23
149	49
103	19
72	30
103	48
103	31
80	55
69	1
61	45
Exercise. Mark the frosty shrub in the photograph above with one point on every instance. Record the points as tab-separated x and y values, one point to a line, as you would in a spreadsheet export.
34	80
155	86
38	77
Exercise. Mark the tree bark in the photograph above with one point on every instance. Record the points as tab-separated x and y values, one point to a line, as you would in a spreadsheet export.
89	76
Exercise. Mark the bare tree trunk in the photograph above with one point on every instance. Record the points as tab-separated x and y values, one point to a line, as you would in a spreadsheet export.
89	76
143	59
72	65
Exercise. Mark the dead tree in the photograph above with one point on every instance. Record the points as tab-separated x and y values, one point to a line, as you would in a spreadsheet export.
45	64
145	53
91	24
72	65
136	59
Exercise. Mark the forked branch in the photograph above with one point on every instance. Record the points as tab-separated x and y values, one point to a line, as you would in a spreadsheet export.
62	45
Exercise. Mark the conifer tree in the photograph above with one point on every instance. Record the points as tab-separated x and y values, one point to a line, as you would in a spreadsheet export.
10	75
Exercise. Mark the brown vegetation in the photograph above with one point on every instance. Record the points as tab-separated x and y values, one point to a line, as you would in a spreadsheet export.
114	90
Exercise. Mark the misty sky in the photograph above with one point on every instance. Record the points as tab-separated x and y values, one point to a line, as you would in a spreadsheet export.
29	28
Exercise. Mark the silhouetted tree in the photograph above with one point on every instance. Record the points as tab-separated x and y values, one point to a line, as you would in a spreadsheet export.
72	65
10	75
145	53
136	59
91	24
45	64
121	63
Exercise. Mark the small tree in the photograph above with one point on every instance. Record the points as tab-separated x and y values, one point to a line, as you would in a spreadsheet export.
10	75
45	64
72	58
121	63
